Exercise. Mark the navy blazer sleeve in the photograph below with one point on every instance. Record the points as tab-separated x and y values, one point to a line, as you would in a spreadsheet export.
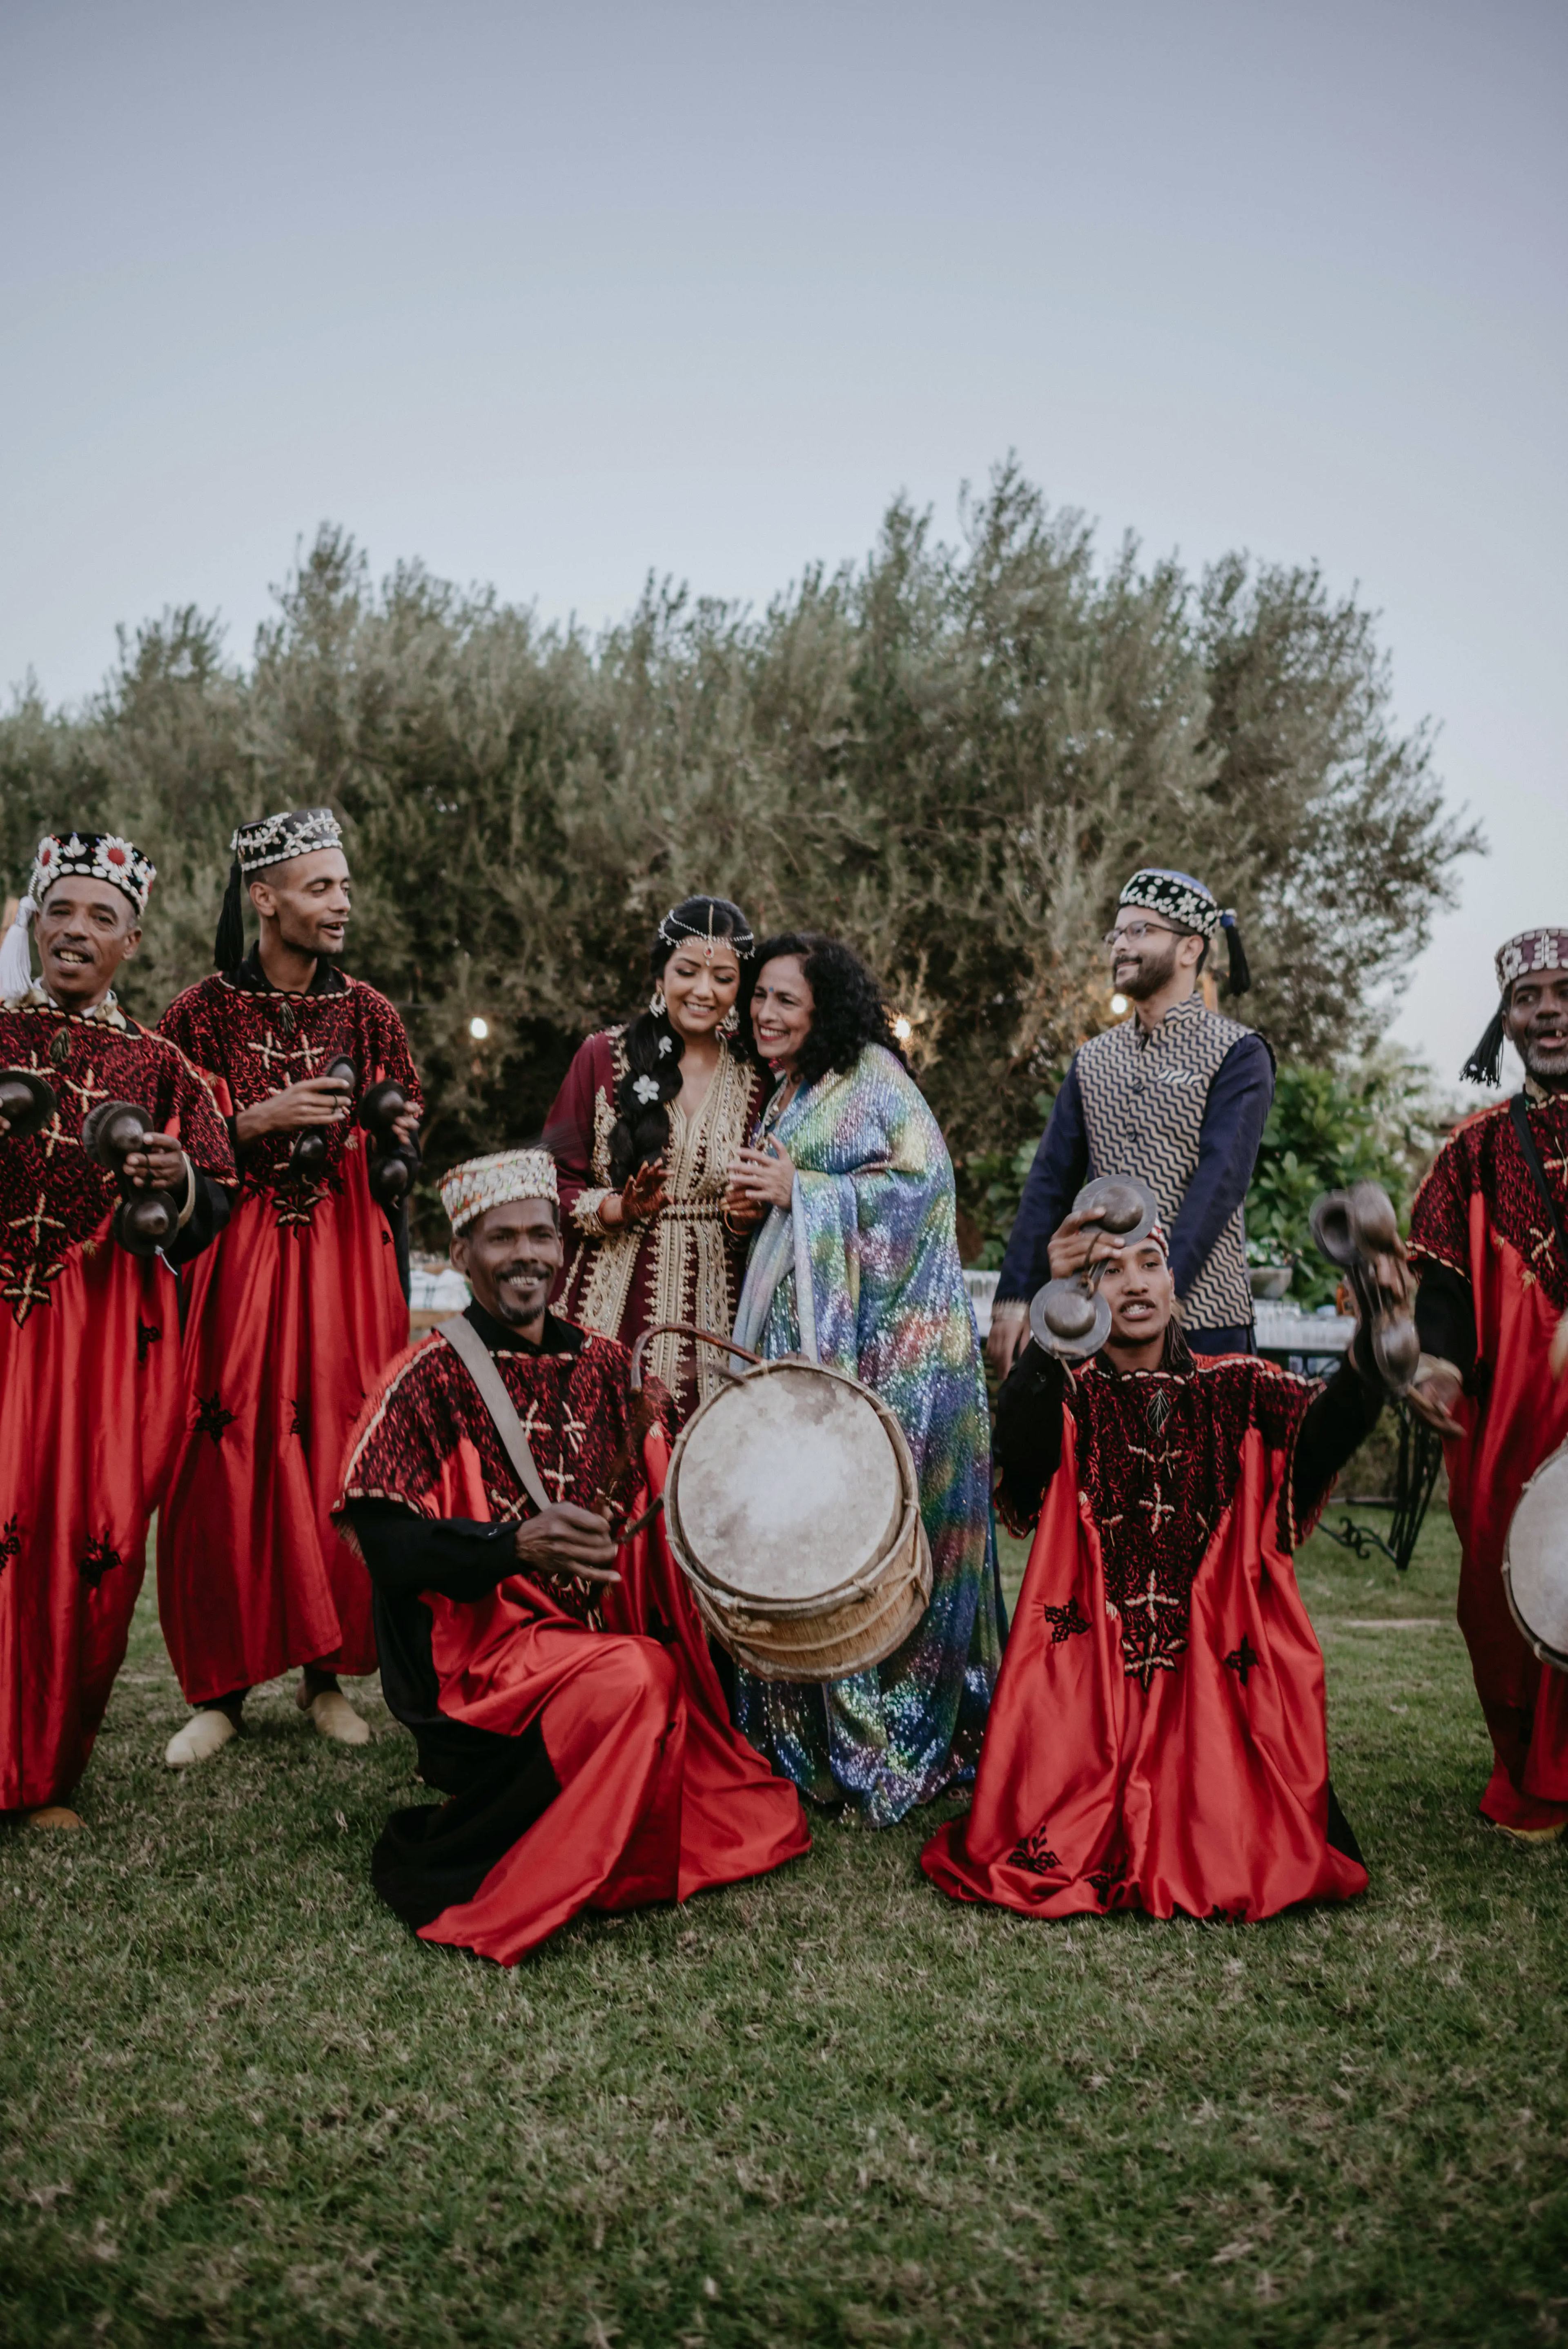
1233	1119
1060	1171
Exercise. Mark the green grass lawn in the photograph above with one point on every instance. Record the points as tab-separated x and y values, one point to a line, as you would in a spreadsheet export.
241	2104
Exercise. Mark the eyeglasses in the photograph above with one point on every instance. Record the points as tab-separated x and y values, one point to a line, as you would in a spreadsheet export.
1135	933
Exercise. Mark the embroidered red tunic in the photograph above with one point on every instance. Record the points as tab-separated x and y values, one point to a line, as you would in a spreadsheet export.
681	1265
291	1320
89	1388
1480	1218
1157	1738
635	1786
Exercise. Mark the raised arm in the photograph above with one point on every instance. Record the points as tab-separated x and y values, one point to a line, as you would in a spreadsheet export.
1026	1445
1233	1119
1058	1174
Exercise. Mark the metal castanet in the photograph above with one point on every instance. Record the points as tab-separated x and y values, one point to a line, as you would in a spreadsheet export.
27	1102
1069	1318
144	1219
307	1159
391	1166
1535	1561
1358	1230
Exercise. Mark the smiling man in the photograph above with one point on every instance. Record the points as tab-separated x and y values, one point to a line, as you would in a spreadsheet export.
91	1392
1175	1095
1158	1739
294	1317
1488	1234
556	1677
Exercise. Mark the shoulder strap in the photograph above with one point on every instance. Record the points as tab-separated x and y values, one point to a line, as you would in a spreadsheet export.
1519	1112
479	1363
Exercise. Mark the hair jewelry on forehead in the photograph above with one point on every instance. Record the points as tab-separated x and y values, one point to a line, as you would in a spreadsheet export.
677	933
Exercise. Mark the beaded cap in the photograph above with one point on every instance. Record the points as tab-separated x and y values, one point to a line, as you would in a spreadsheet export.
495	1182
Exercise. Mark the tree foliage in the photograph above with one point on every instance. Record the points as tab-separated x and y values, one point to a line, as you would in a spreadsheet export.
950	754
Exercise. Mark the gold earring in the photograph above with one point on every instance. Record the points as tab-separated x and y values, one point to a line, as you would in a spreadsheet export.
656	1002
730	1021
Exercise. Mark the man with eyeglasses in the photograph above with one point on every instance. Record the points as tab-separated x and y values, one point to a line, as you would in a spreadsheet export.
1177	1094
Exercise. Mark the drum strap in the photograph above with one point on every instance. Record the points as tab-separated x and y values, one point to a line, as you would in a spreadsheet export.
480	1363
1519	1114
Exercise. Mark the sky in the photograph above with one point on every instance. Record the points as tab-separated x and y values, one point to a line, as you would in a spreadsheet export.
554	297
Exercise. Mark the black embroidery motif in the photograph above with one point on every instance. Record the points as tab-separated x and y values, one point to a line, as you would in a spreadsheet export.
1104	1882
1065	1621
147	1336
299	1426
10	1542
1157	1499
98	1561
1242	1660
1034	1854
212	1419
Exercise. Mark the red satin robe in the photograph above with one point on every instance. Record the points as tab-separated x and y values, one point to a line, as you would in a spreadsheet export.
90	1391
658	1797
291	1319
1480	1212
1157	1738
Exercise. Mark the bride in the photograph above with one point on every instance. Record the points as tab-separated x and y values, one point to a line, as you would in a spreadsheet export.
643	1132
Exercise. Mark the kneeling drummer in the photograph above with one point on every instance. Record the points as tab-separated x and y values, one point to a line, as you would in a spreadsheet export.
558	1687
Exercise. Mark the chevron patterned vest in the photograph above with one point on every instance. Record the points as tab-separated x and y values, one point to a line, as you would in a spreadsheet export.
1143	1095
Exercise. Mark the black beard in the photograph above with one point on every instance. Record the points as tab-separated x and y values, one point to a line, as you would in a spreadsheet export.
1152	974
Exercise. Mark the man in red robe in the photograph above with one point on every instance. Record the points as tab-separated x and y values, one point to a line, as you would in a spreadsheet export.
90	1394
558	1686
295	1314
1488	1234
1157	1738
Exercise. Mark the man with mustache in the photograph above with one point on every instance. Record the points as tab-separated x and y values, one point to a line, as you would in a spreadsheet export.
554	1674
90	1391
294	1317
1176	1094
1488	1235
1158	1740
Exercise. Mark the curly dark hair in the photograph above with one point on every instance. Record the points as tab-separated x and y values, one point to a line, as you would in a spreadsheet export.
848	1011
641	1130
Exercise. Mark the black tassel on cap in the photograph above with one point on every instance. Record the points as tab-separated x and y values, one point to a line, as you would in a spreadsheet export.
1484	1066
1239	978
229	945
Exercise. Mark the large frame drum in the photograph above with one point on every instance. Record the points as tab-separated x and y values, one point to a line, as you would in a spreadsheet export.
793	1508
1535	1560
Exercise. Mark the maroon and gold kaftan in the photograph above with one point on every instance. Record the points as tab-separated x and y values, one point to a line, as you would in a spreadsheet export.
681	1265
578	1728
90	1391
290	1323
1479	1222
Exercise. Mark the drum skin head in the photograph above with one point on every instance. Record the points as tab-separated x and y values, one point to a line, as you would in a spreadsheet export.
1535	1560
788	1484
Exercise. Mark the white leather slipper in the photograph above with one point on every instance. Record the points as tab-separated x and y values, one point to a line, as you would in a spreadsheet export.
204	1735
335	1717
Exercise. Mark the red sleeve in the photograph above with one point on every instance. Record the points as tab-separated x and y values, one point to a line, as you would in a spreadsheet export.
569	1128
192	1115
1440	1218
388	1041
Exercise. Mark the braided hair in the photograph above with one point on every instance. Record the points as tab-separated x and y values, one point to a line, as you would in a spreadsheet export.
641	1130
849	1010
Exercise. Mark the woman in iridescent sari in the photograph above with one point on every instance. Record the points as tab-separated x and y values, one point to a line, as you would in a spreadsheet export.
856	1266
